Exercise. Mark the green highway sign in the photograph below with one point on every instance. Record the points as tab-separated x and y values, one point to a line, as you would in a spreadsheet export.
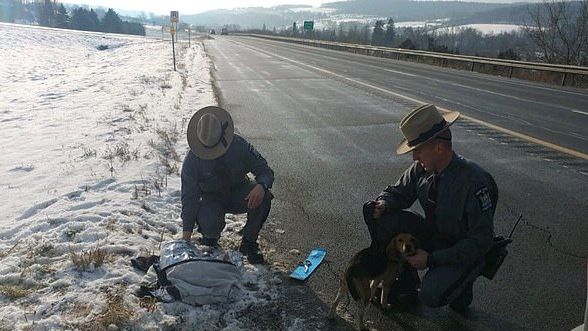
308	25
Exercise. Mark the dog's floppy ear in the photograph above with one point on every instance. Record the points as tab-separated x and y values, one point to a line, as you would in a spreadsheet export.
391	249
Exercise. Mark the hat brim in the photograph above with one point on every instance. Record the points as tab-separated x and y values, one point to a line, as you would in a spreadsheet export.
450	118
196	146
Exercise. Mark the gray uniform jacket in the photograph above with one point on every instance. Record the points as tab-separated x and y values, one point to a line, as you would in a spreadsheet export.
216	178
463	217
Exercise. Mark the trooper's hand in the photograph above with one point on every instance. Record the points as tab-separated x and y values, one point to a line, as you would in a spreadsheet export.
255	196
419	260
379	208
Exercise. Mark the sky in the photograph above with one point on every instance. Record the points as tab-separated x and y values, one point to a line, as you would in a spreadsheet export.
189	6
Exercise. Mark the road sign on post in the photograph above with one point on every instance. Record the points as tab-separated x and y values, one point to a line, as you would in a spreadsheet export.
174	16
308	25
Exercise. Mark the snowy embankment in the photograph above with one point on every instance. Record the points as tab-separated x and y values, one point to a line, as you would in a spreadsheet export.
93	135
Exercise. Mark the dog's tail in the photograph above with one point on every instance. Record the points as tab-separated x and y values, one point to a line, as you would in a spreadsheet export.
350	275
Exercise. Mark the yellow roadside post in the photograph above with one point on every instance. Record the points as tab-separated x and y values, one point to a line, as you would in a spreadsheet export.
174	17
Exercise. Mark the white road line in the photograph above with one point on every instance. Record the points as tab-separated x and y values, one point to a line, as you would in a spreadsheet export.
419	102
399	72
580	112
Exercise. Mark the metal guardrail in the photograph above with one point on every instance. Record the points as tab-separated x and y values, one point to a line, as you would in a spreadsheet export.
563	75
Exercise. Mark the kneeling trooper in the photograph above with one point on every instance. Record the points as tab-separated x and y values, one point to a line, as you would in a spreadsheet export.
215	181
458	198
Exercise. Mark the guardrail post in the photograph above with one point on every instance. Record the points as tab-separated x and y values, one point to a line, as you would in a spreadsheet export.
510	72
472	68
563	80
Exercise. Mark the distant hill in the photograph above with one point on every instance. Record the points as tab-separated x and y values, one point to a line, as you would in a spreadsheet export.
514	14
517	13
404	10
252	17
400	10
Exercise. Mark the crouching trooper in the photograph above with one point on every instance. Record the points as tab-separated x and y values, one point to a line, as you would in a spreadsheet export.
215	181
458	198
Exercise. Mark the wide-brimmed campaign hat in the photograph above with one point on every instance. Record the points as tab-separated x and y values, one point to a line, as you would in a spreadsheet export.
423	124
210	132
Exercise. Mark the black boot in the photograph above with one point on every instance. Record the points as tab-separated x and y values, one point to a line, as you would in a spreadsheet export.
404	291
462	303
252	251
210	242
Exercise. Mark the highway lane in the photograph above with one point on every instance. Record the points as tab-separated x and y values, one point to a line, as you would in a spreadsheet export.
331	143
557	115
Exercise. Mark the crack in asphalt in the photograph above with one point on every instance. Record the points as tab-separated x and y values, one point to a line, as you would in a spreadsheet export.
551	244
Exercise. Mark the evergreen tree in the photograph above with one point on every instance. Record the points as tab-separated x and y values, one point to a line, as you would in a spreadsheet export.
112	22
94	22
390	33
10	10
378	34
45	13
133	28
61	18
82	19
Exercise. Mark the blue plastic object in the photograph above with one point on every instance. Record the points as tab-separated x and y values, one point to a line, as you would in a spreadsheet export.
304	269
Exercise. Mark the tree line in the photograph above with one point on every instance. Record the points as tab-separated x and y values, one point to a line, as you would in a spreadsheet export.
53	14
554	32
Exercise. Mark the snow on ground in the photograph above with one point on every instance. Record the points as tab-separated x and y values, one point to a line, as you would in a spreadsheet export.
485	29
92	139
493	29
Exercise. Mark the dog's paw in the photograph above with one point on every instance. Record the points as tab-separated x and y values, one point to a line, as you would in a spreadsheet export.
386	306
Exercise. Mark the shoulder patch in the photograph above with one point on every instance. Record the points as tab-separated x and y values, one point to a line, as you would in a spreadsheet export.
483	196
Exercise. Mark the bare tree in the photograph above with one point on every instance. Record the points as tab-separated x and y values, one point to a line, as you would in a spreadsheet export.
560	29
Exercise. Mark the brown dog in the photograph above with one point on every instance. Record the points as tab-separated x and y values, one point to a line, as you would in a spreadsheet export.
370	267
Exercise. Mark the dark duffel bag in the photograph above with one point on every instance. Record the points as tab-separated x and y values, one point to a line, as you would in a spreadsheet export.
495	256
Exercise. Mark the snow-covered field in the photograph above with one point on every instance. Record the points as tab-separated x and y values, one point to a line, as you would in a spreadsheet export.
92	136
485	29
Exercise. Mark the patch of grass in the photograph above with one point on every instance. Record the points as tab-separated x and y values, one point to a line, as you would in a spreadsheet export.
146	207
171	166
146	80
121	151
14	292
148	303
165	85
70	233
110	224
45	249
6	253
88	153
116	313
83	260
46	269
165	146
141	191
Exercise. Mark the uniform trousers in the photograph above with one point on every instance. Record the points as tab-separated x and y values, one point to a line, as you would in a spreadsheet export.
213	207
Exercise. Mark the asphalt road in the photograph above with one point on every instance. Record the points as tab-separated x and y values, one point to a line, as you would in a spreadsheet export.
328	124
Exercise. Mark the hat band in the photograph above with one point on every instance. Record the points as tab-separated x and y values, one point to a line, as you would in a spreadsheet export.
427	134
222	138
